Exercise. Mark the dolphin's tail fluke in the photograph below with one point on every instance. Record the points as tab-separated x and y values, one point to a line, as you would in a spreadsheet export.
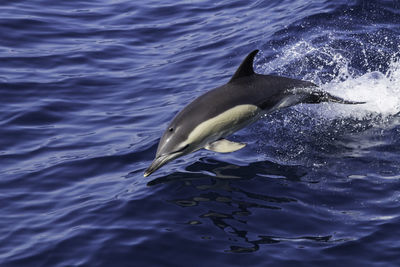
335	99
321	96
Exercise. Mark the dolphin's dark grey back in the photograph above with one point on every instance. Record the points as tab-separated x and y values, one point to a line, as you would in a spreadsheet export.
245	87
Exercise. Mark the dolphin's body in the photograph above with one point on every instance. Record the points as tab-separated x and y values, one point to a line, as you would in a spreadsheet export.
206	121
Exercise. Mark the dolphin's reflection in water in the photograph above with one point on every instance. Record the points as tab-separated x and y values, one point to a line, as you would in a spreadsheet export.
230	202
221	170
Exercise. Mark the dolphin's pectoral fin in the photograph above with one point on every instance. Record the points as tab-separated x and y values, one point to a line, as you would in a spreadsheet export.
224	146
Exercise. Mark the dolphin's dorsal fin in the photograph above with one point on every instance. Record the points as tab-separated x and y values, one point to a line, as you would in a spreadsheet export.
246	68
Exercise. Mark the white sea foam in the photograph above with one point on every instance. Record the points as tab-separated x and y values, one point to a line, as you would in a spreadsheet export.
380	91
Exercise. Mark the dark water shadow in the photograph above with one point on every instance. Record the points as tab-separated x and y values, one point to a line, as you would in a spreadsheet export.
209	168
240	201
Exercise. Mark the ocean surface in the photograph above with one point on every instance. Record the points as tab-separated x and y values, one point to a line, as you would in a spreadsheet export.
88	87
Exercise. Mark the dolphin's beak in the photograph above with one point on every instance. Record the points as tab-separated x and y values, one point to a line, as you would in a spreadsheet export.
156	164
163	159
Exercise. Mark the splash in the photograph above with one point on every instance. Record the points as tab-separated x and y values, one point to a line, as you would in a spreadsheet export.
308	134
380	92
332	69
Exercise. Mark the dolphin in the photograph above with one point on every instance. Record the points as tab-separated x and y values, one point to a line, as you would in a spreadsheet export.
205	122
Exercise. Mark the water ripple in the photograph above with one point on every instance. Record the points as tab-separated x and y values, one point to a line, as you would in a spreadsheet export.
86	89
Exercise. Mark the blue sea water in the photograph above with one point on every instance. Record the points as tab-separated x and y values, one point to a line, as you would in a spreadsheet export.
88	87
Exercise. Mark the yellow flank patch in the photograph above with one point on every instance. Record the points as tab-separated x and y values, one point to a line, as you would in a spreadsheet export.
224	124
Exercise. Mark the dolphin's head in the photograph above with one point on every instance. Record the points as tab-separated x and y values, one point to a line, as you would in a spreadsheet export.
173	144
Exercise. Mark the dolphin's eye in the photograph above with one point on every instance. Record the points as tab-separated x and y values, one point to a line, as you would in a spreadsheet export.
171	129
